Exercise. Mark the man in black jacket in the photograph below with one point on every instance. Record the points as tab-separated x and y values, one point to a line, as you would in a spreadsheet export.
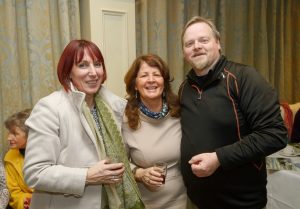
230	122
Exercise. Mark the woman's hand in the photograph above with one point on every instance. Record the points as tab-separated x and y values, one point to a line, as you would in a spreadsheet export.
105	172
26	204
150	177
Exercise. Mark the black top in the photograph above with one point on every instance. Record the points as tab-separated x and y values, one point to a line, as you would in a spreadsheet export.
235	113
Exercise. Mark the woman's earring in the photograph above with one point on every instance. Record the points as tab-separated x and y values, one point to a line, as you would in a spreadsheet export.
136	94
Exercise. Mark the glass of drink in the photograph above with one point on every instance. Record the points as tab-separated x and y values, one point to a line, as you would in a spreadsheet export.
163	170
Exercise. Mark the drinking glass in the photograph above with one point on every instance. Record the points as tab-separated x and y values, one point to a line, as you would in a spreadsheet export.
163	167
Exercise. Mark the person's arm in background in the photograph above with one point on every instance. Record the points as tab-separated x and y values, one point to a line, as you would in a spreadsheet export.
16	186
4	194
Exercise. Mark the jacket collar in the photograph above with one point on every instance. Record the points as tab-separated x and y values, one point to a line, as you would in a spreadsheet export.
116	103
77	97
215	74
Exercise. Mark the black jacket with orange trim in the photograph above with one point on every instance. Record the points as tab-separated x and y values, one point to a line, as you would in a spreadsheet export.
234	112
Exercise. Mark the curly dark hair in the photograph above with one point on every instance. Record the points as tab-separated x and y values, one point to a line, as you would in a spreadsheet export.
132	108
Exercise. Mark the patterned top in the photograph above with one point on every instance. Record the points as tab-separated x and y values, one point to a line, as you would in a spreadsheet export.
4	195
97	120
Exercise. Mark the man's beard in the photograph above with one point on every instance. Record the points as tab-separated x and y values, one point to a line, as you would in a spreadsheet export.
199	65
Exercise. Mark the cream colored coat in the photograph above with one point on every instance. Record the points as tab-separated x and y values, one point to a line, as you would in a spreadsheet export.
60	148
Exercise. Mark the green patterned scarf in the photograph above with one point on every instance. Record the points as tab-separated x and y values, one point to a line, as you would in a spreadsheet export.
124	195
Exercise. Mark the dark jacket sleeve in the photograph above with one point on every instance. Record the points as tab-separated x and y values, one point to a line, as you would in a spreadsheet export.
259	105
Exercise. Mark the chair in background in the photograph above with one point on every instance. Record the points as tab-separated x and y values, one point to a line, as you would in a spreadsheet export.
288	112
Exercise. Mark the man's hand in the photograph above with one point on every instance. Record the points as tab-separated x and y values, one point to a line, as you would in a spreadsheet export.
204	164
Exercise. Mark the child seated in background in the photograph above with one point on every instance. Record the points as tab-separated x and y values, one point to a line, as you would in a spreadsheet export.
20	194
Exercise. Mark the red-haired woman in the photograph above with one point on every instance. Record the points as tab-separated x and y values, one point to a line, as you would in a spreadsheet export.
74	138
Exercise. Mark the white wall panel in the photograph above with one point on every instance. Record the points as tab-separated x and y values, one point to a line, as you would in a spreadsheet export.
111	25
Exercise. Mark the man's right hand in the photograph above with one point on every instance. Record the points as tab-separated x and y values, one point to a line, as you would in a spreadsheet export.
204	164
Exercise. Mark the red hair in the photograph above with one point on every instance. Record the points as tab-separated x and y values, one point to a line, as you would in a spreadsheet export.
72	55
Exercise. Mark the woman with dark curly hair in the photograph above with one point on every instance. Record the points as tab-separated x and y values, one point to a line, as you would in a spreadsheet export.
152	133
